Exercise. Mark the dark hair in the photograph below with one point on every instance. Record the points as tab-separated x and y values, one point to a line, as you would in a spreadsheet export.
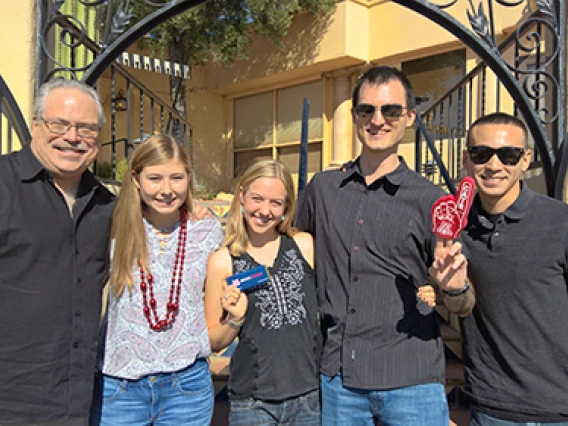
383	75
499	118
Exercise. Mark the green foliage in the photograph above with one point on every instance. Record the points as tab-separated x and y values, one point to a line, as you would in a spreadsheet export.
121	169
223	29
202	193
104	170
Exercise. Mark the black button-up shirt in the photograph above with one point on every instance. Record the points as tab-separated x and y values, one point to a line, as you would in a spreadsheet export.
52	269
374	245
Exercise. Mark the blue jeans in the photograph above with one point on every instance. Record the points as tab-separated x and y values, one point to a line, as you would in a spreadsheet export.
303	410
181	398
424	405
480	419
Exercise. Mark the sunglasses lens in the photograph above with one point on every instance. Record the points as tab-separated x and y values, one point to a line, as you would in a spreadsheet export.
480	154
392	111
509	155
365	110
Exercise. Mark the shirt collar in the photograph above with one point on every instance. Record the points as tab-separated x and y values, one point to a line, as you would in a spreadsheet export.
514	212
30	167
353	171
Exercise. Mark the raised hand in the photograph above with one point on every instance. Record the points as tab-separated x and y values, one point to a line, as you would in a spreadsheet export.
234	302
449	213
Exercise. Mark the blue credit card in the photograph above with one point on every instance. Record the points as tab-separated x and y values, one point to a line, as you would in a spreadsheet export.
251	278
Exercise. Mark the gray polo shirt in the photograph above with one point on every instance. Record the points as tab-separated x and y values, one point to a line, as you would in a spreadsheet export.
516	339
373	248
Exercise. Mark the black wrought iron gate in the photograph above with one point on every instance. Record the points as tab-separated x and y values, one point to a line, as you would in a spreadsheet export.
529	87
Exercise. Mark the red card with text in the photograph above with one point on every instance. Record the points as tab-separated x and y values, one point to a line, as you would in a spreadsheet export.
449	213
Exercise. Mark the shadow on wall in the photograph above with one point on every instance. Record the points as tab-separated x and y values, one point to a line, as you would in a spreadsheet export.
298	50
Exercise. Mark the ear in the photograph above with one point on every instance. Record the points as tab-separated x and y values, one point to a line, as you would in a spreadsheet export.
241	195
526	160
411	118
465	158
35	121
353	115
135	179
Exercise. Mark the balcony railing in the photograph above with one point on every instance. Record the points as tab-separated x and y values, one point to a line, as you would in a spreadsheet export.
441	138
140	112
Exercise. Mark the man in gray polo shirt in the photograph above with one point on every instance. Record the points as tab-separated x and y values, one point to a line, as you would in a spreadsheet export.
383	356
516	339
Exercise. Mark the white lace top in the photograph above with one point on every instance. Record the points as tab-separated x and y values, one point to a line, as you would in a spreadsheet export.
132	349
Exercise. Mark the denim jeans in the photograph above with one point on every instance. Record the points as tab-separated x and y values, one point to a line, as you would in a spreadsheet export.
166	399
424	405
59	422
480	419
303	410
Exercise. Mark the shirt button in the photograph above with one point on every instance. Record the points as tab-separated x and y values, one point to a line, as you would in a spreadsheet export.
352	311
79	280
76	345
496	234
360	222
77	313
355	279
356	248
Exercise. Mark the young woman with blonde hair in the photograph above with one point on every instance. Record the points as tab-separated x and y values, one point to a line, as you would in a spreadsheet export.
274	369
154	369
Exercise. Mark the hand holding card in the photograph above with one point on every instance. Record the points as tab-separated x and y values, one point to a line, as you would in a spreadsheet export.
449	213
250	279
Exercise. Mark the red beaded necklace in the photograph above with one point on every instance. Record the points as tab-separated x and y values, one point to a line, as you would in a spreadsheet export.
172	306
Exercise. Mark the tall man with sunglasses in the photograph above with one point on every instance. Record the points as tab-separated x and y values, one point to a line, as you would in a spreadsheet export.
54	232
383	356
516	339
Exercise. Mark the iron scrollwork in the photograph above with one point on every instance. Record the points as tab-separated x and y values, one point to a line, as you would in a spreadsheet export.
72	32
537	81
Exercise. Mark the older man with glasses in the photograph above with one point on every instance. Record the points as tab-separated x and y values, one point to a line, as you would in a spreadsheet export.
516	339
54	235
383	356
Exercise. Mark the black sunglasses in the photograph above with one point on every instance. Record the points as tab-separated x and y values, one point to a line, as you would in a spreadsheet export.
508	155
388	111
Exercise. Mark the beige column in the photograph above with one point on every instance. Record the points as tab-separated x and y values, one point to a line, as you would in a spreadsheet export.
342	122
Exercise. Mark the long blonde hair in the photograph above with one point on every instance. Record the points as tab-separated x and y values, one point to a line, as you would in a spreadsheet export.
236	237
127	229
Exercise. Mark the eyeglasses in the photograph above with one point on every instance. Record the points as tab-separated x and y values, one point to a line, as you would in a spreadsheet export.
388	111
508	155
60	127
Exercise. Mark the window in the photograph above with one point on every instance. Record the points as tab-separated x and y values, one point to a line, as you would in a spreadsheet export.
268	126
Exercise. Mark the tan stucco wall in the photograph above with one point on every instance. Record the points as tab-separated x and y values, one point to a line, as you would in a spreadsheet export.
212	145
17	51
311	48
358	32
